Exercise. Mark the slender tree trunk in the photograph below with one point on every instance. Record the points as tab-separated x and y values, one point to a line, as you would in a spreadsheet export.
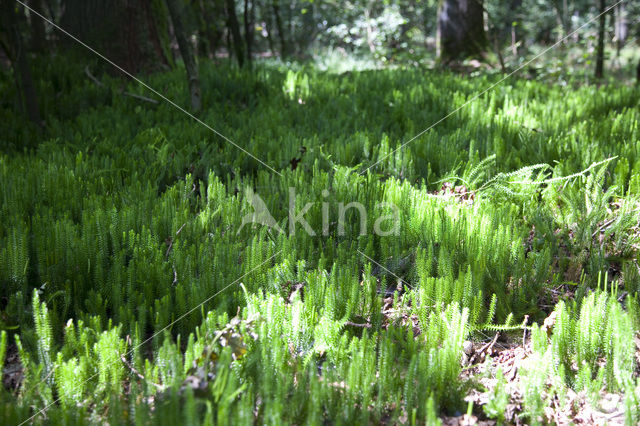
52	11
153	33
269	26
234	27
185	52
248	27
210	32
124	30
19	61
204	48
461	30
38	33
496	46
283	44
600	48
515	6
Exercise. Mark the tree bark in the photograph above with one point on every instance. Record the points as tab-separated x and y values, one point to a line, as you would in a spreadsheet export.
562	18
234	27
599	72
248	27
283	44
19	61
210	32
460	32
120	29
269	26
38	33
153	34
187	56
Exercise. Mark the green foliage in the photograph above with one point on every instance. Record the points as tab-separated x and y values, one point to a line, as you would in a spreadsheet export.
44	334
148	298
296	86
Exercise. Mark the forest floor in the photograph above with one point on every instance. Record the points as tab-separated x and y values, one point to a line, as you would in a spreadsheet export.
391	246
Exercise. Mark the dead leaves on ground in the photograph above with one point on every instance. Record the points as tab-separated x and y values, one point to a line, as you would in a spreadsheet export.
576	408
459	193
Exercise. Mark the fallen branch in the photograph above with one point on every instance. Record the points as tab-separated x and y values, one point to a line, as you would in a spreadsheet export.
122	92
485	349
171	240
355	324
606	224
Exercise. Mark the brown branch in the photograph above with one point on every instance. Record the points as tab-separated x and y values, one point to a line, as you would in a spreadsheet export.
606	224
485	349
166	255
355	324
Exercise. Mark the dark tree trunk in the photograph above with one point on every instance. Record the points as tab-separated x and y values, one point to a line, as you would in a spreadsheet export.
234	27
210	32
600	48
269	26
120	29
38	33
204	45
283	43
19	61
185	51
638	73
153	34
248	27
461	29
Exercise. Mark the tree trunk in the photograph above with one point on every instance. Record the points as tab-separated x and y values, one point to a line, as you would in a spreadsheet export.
234	27
120	29
460	32
185	51
210	32
19	61
600	48
153	34
38	33
511	31
562	18
269	27
283	43
248	27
